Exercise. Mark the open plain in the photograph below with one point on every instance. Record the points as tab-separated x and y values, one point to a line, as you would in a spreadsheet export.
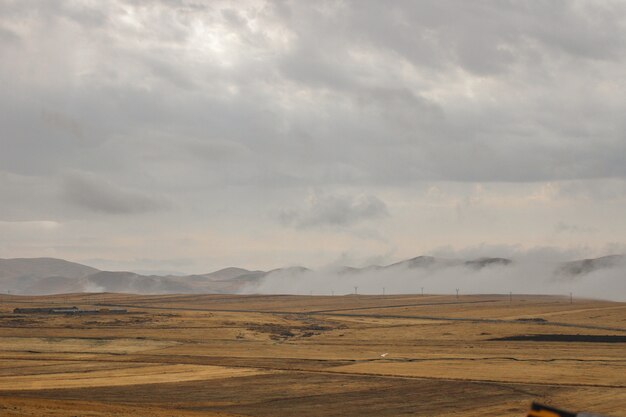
234	355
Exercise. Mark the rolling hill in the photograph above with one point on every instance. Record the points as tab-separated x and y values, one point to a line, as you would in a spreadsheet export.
50	275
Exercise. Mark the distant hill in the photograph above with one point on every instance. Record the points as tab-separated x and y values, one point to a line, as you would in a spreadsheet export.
42	268
417	262
483	262
292	270
226	273
586	266
49	275
432	262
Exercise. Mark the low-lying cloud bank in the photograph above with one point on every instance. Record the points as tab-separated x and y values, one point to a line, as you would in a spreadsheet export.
596	278
603	277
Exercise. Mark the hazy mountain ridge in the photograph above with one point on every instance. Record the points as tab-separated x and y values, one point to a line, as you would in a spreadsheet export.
484	262
426	262
586	266
43	267
51	275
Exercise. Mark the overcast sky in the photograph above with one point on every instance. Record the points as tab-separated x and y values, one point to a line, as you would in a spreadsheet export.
189	136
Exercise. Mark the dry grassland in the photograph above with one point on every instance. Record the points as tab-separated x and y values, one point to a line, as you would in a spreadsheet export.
230	355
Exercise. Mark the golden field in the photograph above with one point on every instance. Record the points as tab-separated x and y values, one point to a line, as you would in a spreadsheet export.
234	355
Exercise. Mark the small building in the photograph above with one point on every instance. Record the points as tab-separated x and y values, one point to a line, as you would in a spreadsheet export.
66	310
46	310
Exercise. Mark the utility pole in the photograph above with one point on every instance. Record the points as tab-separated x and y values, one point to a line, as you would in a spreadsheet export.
356	290
457	293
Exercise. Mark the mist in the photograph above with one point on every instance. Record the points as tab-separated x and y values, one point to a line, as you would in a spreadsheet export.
535	271
522	276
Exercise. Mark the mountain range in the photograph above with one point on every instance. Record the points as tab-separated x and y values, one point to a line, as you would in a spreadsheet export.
50	275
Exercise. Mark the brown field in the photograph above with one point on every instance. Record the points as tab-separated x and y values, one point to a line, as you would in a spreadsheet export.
232	355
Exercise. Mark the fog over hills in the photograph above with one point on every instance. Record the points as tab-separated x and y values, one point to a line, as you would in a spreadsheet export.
586	266
600	277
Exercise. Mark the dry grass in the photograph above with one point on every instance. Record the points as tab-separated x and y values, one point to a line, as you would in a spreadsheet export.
118	376
216	355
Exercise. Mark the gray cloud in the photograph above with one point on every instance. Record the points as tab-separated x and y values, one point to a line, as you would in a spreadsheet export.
335	210
62	122
235	109
562	227
480	92
92	193
217	150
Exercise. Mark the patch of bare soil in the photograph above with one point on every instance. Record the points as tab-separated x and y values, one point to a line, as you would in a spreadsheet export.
308	328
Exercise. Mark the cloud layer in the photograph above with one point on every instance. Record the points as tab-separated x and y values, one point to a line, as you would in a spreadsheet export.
185	130
335	210
95	194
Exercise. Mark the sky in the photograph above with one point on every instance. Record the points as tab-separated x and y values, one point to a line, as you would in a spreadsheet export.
187	136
